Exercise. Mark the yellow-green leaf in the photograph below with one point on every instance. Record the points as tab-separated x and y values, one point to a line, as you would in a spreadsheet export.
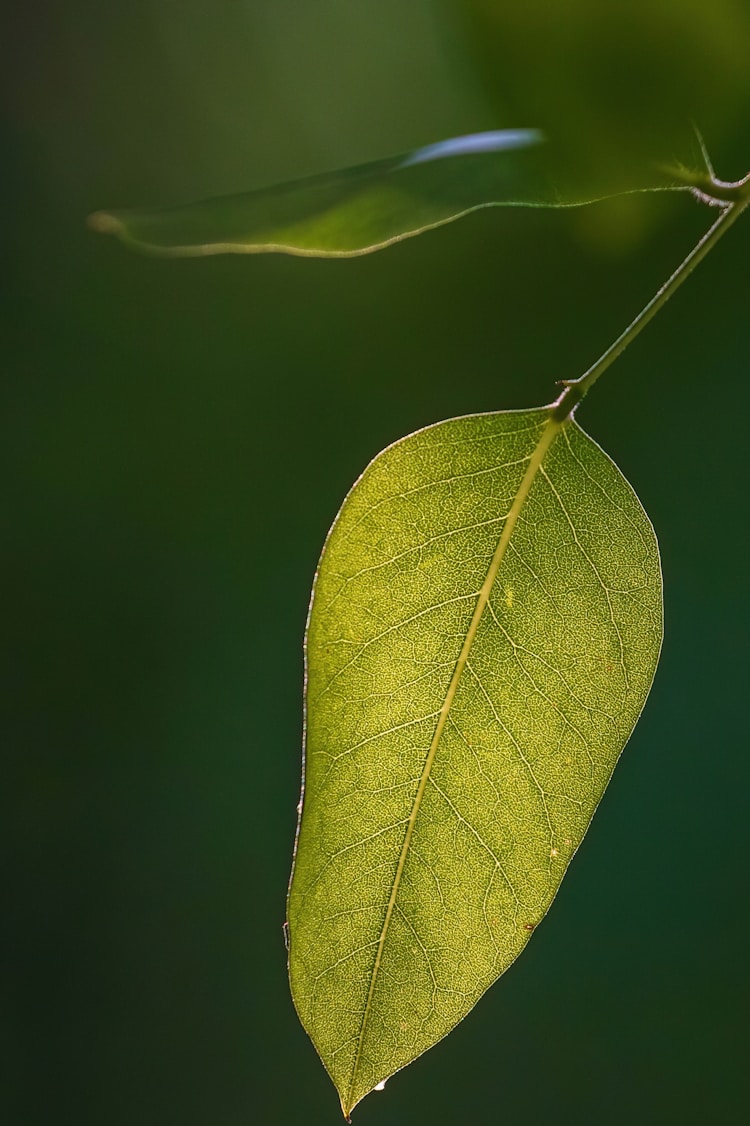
361	209
484	630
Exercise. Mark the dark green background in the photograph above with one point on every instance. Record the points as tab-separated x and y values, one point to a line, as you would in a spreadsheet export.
177	437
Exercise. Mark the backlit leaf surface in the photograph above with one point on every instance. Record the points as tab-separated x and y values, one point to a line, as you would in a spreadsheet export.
361	209
484	630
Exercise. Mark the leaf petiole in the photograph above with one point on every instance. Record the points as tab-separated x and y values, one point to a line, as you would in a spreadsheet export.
576	389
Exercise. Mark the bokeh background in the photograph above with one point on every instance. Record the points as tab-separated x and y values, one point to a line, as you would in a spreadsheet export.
176	439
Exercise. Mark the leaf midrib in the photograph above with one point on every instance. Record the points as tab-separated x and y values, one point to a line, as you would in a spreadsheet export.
548	435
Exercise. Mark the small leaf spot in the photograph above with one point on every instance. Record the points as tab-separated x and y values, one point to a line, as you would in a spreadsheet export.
553	853
529	926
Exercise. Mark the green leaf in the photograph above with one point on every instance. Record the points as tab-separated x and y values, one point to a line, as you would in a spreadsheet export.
362	209
484	630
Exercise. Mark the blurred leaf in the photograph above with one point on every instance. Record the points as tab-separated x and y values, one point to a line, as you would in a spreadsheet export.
615	84
365	208
484	630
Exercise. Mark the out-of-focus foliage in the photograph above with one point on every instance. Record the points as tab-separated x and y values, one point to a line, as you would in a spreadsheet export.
614	82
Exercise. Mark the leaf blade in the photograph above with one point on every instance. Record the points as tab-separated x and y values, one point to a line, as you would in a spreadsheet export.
388	973
366	208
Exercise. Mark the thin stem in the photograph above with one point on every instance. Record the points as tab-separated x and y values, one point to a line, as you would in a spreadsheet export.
575	389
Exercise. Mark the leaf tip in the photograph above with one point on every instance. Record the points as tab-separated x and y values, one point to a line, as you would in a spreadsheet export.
103	222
